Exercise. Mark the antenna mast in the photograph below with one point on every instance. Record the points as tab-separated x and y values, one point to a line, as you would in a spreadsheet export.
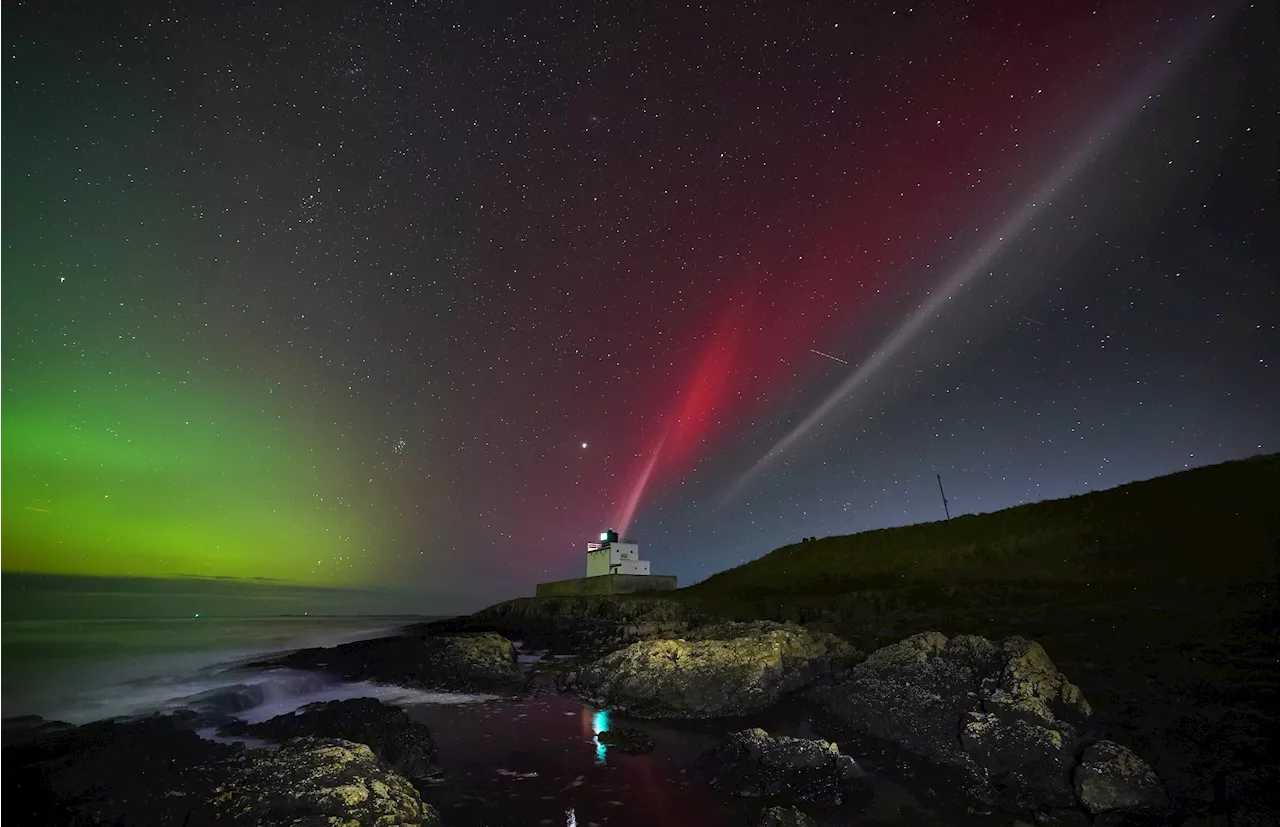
945	510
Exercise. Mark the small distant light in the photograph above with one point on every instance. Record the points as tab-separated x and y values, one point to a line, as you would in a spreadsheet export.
197	614
584	445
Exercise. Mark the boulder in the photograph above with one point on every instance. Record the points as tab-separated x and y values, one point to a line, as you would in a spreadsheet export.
784	817
999	710
1110	777
919	692
397	739
483	662
723	670
626	739
752	763
318	782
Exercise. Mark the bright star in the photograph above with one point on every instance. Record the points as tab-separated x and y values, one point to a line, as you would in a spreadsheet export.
584	445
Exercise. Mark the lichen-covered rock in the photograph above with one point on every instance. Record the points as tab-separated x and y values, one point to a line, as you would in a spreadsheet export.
754	764
1000	710
482	662
919	692
318	782
626	739
1002	746
724	670
394	737
784	817
589	625
1110	777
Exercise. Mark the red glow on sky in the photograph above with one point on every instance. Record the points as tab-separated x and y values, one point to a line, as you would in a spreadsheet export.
975	128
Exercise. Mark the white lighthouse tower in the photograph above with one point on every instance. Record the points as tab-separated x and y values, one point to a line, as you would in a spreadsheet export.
609	556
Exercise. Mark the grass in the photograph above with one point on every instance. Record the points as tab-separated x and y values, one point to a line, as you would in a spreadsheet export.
1217	524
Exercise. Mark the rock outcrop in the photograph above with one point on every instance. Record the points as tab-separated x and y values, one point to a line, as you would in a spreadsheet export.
147	773
318	782
155	772
754	764
590	625
1110	777
483	662
626	739
397	739
723	670
1000	710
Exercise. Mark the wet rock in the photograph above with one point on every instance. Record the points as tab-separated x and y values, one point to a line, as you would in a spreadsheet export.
1110	777
784	817
483	662
394	737
754	764
1252	798
318	782
626	739
722	670
147	773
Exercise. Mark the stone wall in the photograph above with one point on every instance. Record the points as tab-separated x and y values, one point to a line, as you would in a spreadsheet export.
608	584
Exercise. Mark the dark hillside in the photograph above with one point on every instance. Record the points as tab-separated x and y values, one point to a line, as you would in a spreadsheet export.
1219	523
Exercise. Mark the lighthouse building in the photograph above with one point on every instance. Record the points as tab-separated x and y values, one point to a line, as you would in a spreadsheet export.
611	556
613	567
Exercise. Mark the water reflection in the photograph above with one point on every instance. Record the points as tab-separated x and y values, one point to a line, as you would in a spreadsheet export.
600	723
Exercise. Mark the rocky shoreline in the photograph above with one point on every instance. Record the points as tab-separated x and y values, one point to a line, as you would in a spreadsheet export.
1020	740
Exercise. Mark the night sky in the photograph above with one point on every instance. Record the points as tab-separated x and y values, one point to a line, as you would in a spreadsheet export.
424	296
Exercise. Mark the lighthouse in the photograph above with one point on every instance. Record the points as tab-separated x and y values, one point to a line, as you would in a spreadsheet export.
611	556
613	567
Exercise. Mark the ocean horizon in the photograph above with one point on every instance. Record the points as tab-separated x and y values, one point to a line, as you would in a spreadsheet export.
83	669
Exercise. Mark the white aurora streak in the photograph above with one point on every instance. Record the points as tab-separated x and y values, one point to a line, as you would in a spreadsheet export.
637	491
1120	114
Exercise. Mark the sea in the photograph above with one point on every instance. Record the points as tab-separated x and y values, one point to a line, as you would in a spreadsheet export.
80	670
529	760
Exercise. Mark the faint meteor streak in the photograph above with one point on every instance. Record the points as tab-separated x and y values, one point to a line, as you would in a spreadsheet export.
829	356
41	510
1115	117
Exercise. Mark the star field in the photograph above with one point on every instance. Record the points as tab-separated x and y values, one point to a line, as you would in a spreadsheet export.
424	296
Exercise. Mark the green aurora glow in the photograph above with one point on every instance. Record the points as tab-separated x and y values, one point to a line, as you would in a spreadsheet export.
158	419
114	475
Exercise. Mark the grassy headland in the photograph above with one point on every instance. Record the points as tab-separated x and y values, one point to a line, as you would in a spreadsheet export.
1215	524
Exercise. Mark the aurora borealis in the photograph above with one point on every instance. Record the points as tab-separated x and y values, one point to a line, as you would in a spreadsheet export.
336	297
111	477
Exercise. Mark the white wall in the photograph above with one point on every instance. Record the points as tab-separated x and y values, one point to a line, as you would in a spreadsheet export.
622	558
